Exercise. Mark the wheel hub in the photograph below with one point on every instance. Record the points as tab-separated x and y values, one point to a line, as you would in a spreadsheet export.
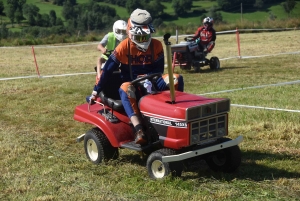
158	169
92	150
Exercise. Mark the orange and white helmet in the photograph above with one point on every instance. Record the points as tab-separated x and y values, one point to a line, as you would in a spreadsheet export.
139	28
119	29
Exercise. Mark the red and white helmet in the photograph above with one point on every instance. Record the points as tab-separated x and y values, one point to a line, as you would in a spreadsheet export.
139	28
119	30
208	22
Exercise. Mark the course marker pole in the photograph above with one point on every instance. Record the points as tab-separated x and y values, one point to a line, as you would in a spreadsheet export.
36	66
238	41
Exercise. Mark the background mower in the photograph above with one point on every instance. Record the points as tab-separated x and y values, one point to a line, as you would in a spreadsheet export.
186	55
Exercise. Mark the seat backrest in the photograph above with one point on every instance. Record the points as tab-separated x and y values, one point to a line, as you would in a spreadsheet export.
110	93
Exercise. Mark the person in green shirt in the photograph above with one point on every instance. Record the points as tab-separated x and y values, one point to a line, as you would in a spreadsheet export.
109	42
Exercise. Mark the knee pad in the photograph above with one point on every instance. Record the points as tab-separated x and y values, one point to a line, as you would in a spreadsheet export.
210	46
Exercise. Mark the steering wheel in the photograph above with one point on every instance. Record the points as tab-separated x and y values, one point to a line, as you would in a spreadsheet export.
149	77
188	38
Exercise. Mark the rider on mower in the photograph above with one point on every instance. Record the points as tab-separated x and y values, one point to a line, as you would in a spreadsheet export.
109	42
205	36
146	57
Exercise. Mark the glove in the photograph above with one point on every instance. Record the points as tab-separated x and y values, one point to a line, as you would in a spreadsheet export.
92	98
148	85
197	40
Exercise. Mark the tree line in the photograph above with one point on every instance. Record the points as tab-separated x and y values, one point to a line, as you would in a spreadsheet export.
91	16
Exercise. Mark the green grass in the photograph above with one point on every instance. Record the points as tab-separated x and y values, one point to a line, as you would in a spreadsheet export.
40	159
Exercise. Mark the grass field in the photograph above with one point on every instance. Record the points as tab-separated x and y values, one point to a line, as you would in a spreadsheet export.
40	160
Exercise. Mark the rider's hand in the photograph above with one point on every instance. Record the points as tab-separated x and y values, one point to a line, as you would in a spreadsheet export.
91	99
104	51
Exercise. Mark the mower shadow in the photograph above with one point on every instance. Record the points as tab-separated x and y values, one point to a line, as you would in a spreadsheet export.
248	169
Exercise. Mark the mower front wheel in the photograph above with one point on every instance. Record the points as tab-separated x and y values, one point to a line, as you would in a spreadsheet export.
214	63
158	169
225	160
98	148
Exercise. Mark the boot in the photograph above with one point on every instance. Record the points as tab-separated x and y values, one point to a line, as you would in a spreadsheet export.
140	138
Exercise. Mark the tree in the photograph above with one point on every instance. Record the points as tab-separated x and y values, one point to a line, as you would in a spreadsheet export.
68	11
30	9
58	2
272	16
59	22
52	16
18	15
30	12
1	8
131	5
155	8
12	7
182	6
259	4
217	16
228	4
3	31
288	6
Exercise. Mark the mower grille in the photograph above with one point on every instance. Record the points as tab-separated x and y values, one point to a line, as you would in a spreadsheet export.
208	129
208	110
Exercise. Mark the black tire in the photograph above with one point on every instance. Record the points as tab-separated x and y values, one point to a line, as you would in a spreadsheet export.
196	67
214	63
98	148
225	160
187	66
158	169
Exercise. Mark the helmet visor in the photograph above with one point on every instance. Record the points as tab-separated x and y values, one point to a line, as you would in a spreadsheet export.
141	38
121	31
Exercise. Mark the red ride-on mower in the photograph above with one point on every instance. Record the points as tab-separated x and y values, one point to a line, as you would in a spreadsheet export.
179	127
186	55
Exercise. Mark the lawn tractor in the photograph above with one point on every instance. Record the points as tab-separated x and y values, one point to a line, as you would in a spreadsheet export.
180	127
186	55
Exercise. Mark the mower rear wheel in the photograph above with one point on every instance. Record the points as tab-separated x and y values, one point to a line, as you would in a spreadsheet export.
196	67
98	148
225	160
158	169
186	66
214	63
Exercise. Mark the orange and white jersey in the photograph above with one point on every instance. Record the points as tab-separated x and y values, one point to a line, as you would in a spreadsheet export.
149	62
141	62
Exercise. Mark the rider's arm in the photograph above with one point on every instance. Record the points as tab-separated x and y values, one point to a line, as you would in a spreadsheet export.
110	66
101	48
102	44
197	33
214	36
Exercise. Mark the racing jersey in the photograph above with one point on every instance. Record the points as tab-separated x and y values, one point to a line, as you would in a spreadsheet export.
141	62
205	35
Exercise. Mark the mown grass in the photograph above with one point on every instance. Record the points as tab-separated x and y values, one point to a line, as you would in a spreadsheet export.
40	160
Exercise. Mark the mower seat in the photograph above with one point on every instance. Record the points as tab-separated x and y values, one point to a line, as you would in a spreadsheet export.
110	94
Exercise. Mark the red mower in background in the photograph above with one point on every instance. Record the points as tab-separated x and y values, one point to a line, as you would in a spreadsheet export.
181	127
186	55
